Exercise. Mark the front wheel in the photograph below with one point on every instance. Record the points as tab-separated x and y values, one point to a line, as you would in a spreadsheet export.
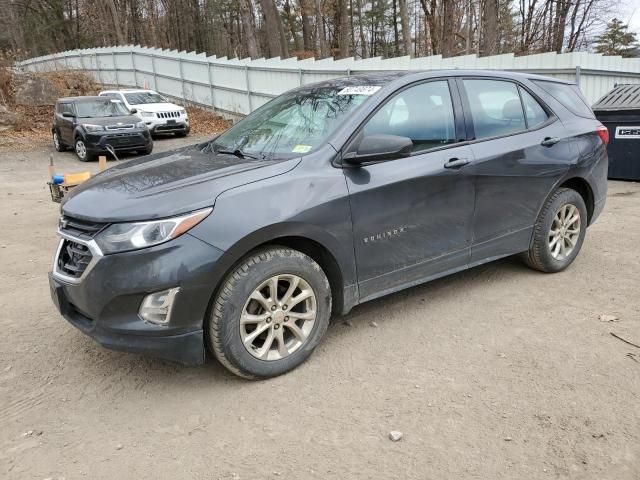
270	313
81	151
558	233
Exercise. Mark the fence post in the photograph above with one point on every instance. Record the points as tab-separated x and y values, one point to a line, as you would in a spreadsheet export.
153	69
184	97
95	55
133	67
246	80
115	68
578	75
211	92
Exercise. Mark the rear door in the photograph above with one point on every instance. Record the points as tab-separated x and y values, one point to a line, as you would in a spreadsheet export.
412	217
65	124
521	150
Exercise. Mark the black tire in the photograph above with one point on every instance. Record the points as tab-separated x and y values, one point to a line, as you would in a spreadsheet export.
224	329
539	256
147	150
57	142
88	157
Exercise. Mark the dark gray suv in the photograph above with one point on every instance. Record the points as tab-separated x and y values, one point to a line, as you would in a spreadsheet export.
328	196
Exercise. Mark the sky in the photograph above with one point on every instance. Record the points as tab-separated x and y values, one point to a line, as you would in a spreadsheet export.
632	15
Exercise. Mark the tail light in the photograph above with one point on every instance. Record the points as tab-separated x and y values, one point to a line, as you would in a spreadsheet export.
603	133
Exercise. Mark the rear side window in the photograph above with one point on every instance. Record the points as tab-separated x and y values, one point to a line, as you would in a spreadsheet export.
569	96
423	113
65	107
496	109
536	115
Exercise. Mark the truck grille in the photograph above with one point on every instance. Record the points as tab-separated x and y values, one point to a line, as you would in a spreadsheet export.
79	228
128	126
73	258
168	114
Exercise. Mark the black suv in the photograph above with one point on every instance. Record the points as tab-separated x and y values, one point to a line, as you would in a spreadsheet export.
328	196
89	124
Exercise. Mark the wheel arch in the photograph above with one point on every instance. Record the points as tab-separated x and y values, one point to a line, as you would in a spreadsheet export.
581	185
311	241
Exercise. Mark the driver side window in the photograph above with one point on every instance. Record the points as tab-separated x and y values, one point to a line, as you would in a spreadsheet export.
423	113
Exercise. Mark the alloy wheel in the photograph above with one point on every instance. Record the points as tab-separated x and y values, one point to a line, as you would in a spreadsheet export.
56	141
81	149
565	232
278	317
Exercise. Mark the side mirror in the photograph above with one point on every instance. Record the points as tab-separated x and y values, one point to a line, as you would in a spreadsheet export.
133	111
377	148
67	114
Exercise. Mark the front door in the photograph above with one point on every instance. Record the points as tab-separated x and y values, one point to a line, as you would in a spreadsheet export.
412	216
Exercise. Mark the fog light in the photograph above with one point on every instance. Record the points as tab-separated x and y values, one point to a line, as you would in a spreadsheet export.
156	307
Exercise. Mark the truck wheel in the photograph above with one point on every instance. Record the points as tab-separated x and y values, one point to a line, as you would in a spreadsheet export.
81	151
147	150
57	143
270	313
558	233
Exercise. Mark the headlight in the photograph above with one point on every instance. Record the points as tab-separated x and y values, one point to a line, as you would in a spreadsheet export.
92	128
141	125
147	114
122	237
183	111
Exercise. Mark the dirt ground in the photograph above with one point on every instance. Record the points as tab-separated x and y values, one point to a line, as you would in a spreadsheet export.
495	373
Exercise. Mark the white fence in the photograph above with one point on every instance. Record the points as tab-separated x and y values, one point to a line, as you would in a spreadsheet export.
239	86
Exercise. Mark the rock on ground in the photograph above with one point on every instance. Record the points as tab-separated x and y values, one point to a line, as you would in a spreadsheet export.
33	90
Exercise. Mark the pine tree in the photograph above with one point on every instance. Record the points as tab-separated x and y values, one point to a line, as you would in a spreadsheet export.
616	40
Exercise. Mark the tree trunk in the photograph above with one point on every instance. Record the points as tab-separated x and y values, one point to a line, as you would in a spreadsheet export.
343	36
363	39
116	22
272	27
406	27
448	34
322	38
490	27
307	12
249	27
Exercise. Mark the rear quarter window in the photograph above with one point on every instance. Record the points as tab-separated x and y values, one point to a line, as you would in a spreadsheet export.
569	96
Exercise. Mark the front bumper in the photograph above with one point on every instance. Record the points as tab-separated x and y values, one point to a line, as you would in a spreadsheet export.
164	125
105	301
120	141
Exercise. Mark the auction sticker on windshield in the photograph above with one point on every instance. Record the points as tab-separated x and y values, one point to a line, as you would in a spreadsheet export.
301	148
360	90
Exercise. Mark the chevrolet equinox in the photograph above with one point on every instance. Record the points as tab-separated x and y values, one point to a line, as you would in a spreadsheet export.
326	197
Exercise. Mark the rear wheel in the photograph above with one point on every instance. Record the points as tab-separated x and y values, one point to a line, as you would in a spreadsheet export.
57	142
559	232
270	313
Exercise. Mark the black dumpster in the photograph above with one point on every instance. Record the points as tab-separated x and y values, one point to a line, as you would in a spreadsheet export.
619	111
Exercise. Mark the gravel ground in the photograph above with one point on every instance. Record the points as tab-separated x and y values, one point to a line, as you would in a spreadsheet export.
494	373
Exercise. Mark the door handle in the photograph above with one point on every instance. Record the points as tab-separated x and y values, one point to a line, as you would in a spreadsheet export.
549	141
456	163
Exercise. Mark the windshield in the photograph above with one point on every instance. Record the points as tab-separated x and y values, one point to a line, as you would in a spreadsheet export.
100	108
141	98
293	123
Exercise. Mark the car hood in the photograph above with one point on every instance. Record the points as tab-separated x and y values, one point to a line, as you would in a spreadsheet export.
157	107
165	184
123	119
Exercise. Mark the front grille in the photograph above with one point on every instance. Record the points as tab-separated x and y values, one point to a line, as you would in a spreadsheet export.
168	114
80	228
73	259
128	126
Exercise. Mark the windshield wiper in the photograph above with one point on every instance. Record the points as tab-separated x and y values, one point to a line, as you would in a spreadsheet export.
237	152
